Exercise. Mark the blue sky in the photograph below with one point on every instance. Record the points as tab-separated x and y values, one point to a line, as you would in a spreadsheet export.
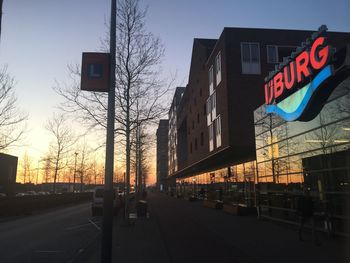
40	37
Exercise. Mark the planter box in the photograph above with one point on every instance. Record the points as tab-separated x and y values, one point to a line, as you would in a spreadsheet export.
239	210
216	204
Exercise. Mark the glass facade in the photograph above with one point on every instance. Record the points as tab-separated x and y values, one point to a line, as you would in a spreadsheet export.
315	155
233	184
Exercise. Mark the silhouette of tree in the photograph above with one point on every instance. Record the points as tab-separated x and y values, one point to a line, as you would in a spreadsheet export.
26	168
12	120
140	92
61	145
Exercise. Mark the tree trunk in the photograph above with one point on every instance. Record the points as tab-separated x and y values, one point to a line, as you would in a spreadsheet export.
127	183
56	172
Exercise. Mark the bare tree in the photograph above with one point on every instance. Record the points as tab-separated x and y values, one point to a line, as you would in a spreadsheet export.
84	165
63	140
26	166
12	120
47	169
140	92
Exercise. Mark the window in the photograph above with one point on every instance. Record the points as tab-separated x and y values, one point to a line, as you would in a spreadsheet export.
285	51
200	92
218	68
202	138
211	80
209	111
211	140
272	54
197	117
195	144
213	105
218	131
275	54
250	56
191	147
192	125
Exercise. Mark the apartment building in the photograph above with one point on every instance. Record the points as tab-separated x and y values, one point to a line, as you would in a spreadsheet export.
215	118
162	153
172	135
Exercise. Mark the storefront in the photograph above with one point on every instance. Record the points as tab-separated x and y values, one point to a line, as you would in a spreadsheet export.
303	137
234	184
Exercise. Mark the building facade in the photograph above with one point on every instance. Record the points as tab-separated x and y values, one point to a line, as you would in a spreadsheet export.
172	135
217	135
162	153
308	150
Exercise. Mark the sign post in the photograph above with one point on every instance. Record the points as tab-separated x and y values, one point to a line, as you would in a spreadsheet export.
98	75
107	223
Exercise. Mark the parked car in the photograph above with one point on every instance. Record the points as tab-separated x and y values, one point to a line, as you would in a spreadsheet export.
97	201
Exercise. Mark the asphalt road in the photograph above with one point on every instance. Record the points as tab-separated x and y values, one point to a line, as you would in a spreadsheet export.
57	236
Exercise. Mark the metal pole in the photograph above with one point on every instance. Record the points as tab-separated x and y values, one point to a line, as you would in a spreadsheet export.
107	221
37	173
75	171
0	15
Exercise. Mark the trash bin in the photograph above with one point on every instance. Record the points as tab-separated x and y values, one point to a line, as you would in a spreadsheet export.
141	208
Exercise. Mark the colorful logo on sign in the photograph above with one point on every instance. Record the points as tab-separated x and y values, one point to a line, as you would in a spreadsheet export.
288	92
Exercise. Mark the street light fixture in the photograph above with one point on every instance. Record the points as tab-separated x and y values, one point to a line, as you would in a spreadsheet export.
75	171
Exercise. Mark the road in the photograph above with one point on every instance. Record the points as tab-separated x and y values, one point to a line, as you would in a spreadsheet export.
56	236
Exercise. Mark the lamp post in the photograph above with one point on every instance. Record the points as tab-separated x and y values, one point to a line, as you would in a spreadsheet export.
107	220
75	170
37	173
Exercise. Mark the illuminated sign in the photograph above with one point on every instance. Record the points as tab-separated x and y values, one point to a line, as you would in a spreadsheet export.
289	90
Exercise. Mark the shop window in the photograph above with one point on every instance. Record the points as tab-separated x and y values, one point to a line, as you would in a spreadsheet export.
218	68
211	80
250	58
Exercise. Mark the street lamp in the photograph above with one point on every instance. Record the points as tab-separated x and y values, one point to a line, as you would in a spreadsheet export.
37	172
75	170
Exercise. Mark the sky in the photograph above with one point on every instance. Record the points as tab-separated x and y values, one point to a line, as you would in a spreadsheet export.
40	38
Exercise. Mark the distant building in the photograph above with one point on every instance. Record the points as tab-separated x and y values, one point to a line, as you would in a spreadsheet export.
162	153
8	172
172	135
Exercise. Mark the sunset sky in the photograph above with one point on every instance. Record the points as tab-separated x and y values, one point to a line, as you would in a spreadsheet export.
40	37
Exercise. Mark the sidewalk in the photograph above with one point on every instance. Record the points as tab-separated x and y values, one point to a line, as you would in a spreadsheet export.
179	231
193	233
139	242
